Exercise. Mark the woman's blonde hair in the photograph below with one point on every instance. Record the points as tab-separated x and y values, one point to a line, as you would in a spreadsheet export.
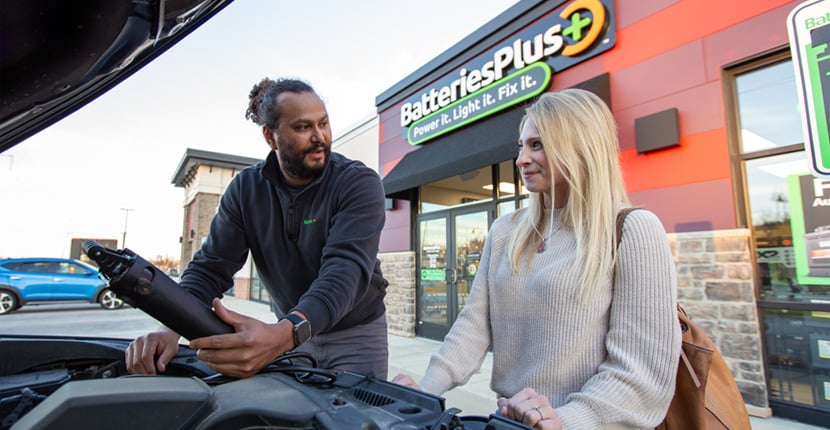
579	136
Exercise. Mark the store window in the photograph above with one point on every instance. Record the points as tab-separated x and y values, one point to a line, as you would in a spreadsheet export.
776	172
469	187
775	192
509	185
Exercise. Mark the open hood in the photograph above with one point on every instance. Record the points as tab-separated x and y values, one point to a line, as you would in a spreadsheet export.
57	56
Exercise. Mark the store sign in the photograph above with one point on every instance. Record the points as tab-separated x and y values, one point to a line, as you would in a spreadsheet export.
809	32
519	68
515	88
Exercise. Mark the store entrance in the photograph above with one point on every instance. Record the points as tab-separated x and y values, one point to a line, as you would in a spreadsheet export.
450	244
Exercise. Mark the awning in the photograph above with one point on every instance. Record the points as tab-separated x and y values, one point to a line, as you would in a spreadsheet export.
488	142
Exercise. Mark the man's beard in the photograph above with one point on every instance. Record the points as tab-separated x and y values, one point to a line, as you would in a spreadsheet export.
296	167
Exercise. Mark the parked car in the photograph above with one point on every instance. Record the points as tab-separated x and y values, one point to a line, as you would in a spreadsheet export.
30	280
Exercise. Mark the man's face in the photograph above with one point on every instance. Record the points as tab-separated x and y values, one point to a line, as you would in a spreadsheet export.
302	138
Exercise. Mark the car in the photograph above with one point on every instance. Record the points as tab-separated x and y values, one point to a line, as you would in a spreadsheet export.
40	280
57	56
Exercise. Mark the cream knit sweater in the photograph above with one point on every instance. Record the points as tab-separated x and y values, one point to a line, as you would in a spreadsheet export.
609	362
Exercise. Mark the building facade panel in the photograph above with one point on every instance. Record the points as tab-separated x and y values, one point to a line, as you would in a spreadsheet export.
724	188
697	207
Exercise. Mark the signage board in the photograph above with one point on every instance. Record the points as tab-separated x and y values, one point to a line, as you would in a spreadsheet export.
808	26
516	69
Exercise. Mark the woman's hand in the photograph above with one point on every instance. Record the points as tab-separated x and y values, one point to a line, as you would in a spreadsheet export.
530	408
406	381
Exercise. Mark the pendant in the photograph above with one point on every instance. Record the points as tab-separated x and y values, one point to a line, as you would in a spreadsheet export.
541	247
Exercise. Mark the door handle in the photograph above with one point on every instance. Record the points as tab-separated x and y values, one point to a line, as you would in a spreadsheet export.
451	276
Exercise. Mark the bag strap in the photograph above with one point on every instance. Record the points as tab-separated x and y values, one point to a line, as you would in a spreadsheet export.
621	219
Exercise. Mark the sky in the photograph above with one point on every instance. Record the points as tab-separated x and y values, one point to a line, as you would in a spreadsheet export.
106	171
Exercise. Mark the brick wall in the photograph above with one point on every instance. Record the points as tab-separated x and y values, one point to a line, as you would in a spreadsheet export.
203	207
715	280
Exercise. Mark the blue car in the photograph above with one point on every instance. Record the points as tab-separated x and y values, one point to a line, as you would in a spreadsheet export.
28	280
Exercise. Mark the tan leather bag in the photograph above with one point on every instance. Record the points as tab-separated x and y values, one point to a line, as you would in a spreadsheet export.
706	395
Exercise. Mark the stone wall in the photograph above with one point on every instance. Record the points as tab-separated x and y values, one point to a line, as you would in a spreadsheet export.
399	269
715	287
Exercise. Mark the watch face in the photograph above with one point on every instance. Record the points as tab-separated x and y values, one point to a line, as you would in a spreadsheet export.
302	332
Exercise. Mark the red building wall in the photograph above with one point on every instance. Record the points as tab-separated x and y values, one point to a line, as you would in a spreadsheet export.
668	54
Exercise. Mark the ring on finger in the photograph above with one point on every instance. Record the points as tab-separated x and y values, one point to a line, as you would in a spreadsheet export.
541	416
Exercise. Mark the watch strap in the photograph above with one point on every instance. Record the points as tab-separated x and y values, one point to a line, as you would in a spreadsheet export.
294	318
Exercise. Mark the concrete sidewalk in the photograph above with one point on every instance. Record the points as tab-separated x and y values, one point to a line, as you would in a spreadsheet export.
410	355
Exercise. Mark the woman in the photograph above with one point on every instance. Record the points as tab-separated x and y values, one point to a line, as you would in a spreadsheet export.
584	334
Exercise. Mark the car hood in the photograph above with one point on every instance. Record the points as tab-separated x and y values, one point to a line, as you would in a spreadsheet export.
57	56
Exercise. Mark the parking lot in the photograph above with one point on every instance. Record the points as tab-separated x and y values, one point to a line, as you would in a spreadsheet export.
77	319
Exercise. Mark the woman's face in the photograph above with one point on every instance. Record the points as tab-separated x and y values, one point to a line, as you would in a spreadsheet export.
532	161
538	176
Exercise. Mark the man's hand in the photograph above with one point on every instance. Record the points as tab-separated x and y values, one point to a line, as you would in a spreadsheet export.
243	353
141	352
530	408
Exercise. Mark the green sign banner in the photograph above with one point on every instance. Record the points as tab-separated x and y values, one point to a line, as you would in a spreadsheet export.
520	86
809	33
432	275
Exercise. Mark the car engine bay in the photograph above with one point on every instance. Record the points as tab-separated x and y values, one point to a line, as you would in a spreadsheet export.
62	382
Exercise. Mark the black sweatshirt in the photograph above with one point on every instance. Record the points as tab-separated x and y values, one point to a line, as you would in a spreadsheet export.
315	248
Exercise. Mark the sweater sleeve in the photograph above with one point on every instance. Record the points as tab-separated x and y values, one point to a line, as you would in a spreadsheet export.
636	381
466	344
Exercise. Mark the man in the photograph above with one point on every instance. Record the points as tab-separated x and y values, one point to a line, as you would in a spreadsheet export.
312	221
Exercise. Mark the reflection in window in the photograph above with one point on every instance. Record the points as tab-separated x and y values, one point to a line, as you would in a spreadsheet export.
466	188
470	233
772	203
769	204
769	119
433	281
768	114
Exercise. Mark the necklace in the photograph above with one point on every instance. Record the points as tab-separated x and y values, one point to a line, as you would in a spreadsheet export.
542	245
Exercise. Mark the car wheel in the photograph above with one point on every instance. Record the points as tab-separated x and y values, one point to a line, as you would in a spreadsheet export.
8	302
109	300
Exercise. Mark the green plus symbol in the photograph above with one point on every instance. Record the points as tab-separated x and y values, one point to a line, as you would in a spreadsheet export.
574	31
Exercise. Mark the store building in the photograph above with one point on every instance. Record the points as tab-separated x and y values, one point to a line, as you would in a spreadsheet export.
704	94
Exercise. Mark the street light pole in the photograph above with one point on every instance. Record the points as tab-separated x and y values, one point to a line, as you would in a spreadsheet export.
126	217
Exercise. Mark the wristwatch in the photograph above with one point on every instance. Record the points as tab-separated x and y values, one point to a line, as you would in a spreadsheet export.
302	329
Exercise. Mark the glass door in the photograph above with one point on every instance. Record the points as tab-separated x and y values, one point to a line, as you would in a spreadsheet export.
449	251
470	233
432	282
